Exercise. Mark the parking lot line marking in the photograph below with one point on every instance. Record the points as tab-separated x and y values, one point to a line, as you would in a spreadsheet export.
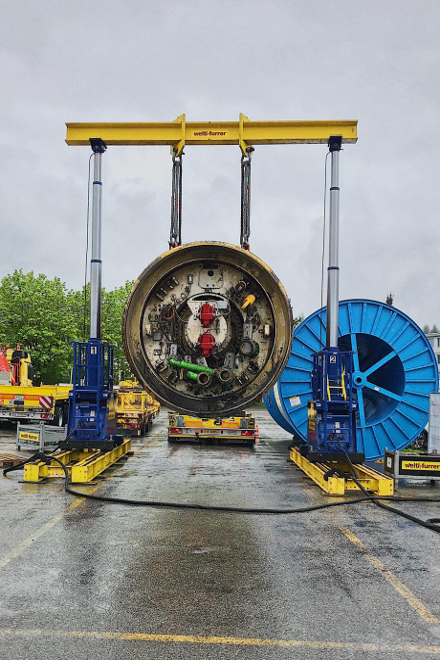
403	590
226	641
148	442
21	547
24	545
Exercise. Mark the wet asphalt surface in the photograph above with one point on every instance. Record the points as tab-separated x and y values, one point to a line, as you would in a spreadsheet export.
77	582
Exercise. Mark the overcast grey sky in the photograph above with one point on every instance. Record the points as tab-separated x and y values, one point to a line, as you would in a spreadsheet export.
375	61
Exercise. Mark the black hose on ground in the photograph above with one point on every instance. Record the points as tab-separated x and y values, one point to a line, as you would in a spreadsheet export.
378	500
429	524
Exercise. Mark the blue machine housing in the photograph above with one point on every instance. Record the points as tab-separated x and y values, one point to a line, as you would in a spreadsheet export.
331	427
395	371
92	413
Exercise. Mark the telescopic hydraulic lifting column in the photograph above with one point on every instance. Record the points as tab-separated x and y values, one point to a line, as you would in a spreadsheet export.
331	430
91	445
331	447
92	418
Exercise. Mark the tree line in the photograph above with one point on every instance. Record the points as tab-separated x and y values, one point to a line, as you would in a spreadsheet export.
44	317
427	329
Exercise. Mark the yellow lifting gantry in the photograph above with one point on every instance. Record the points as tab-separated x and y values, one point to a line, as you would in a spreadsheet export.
244	133
179	132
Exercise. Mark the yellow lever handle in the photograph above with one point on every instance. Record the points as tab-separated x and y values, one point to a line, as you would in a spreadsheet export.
249	300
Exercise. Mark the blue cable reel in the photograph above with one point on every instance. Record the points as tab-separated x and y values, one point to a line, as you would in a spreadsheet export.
395	371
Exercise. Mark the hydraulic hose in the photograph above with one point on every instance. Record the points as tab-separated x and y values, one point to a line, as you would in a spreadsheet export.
245	510
429	524
39	456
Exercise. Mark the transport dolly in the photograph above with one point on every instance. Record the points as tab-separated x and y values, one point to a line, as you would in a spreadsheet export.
241	429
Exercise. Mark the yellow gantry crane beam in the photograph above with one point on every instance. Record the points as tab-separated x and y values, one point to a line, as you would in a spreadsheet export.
243	132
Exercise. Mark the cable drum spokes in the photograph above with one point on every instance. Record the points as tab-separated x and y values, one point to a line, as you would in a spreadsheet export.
378	378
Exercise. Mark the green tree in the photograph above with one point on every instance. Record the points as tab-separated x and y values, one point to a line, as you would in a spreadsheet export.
297	320
390	299
34	312
426	329
434	328
45	317
113	304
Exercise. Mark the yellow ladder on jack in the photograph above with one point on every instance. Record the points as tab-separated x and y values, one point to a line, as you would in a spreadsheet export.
339	387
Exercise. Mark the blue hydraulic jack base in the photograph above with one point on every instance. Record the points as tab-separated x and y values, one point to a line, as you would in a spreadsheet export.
92	415
331	428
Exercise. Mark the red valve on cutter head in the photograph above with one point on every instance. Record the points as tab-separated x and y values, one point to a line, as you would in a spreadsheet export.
206	344
206	314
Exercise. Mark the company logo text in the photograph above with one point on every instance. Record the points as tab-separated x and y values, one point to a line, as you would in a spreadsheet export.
209	133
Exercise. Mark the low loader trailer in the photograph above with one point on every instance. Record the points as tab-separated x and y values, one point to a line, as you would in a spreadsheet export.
226	430
21	400
135	408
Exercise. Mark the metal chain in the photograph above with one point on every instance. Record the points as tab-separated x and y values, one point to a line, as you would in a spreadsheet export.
176	201
246	199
